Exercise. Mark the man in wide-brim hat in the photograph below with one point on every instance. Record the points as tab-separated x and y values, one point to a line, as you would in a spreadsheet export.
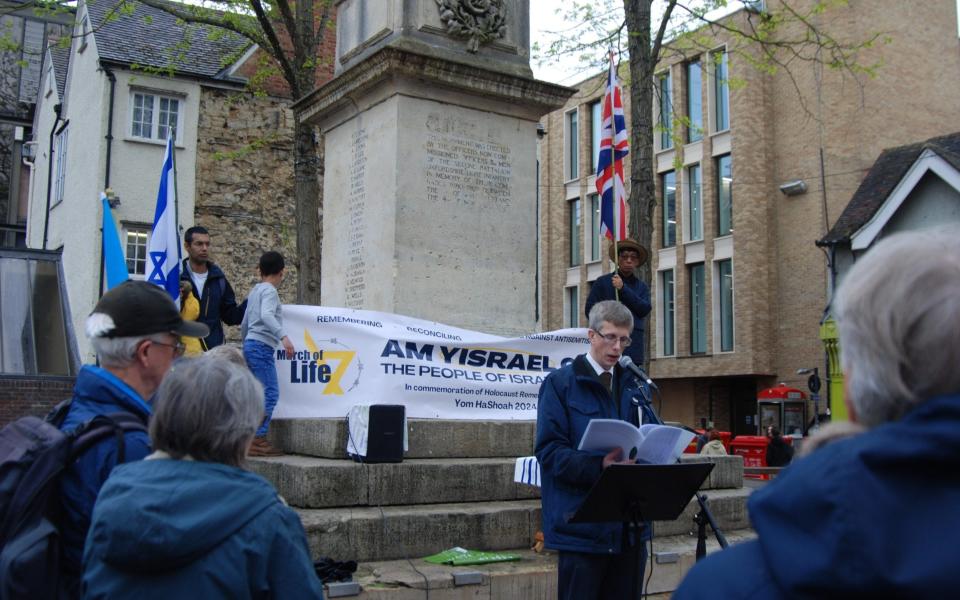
625	285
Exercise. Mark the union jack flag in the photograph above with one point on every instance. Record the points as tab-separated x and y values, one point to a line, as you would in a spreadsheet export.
613	147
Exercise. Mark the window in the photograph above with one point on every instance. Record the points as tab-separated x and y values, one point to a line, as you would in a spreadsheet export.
154	117
724	195
666	286
596	123
725	279
695	204
666	112
698	310
574	231
668	191
573	146
721	91
694	102
596	240
136	244
60	152
572	309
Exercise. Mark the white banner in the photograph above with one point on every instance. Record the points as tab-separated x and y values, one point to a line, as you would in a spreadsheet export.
346	357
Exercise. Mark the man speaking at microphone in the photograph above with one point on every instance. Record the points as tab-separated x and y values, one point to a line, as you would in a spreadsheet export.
596	560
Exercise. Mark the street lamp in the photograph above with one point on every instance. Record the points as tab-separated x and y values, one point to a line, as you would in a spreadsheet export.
813	383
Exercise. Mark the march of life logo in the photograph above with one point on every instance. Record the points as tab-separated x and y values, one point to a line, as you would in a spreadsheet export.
327	363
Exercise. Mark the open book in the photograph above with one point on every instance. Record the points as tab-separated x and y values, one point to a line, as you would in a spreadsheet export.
650	444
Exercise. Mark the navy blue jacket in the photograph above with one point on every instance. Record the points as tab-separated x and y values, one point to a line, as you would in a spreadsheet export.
569	398
165	528
634	295
218	303
96	392
872	516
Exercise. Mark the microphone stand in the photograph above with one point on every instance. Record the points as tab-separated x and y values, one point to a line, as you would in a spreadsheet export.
704	516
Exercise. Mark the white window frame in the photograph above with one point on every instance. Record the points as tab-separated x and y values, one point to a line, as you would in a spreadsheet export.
155	111
571	146
60	165
137	229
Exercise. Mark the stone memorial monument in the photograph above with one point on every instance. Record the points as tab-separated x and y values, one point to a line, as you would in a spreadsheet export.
430	129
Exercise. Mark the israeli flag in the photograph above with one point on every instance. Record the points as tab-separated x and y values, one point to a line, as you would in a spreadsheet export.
163	249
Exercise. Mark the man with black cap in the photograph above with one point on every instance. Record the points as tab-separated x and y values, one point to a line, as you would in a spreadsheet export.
625	286
135	330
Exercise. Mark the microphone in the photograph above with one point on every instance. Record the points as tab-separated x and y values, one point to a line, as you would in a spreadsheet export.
627	363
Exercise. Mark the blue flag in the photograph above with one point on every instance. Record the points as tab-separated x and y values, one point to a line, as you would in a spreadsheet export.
113	259
163	251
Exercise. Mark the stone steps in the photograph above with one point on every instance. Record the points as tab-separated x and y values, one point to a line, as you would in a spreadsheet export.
427	438
311	482
533	577
454	488
393	532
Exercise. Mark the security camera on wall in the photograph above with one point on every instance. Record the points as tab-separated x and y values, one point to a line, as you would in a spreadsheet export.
794	188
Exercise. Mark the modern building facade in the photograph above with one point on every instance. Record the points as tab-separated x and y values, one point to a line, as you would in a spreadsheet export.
752	168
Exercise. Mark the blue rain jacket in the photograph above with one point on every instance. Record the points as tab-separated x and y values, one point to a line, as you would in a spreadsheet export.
872	516
165	528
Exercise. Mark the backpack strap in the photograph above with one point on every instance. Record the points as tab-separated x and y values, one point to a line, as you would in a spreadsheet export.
101	426
58	414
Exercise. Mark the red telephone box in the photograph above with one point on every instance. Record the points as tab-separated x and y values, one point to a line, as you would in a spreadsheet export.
783	407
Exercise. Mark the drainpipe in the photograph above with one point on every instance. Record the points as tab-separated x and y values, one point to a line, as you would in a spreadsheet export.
109	137
106	176
53	132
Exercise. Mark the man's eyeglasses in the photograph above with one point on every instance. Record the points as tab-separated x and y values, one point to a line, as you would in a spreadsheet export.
612	338
178	349
629	256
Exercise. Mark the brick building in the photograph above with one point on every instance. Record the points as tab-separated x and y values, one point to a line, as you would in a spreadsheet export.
738	285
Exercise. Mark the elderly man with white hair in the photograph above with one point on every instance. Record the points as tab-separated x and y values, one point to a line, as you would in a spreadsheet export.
189	521
134	329
876	513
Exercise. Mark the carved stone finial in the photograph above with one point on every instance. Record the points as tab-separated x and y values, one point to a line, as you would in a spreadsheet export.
479	20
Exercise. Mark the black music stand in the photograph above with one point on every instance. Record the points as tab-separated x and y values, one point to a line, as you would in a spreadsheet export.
637	493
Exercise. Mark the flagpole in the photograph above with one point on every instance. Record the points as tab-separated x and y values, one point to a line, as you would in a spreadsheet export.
176	196
615	204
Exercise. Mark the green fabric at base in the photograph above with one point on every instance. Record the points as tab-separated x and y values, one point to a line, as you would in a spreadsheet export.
462	556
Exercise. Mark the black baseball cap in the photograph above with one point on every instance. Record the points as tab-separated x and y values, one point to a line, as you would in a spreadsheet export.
138	308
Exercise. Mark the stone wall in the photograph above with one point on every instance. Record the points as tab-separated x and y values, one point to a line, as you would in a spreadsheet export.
21	396
245	187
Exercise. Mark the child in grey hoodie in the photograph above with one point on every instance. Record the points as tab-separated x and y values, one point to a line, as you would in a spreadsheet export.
262	331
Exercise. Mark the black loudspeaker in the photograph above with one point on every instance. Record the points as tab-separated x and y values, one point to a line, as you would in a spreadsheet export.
385	434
